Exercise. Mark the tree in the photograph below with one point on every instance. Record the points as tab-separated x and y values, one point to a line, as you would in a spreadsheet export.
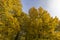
17	25
41	26
9	24
47	30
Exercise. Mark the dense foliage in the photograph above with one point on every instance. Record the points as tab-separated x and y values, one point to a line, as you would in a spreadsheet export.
17	25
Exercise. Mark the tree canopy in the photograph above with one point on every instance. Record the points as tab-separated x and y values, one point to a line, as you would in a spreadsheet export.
38	24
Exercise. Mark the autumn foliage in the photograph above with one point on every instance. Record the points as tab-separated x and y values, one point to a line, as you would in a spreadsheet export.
17	25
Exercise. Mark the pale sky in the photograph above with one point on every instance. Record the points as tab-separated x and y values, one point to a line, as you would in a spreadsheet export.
52	6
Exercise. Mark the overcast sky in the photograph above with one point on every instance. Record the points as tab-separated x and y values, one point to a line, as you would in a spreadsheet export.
52	6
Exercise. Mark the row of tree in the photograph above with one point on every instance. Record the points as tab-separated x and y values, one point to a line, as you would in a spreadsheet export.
17	25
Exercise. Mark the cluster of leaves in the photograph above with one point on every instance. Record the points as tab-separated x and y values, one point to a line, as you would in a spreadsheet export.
17	25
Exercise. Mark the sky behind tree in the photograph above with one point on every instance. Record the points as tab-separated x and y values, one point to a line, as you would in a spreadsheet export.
52	6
